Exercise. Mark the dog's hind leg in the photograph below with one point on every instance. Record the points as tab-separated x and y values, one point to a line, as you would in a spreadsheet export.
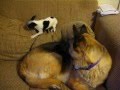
46	83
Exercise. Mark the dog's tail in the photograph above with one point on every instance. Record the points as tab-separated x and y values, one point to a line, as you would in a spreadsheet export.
33	17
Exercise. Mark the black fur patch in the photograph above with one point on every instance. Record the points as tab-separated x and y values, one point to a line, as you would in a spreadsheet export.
51	17
83	30
31	25
78	34
78	31
45	25
63	49
33	17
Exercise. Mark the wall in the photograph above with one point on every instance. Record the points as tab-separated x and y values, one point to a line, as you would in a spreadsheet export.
112	2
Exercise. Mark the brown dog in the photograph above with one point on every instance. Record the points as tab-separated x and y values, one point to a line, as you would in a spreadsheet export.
92	61
46	69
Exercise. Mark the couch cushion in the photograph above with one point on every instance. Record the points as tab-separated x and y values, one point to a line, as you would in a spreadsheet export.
107	31
43	38
9	79
64	10
15	41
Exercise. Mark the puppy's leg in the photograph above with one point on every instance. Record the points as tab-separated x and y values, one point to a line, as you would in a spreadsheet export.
33	36
54	28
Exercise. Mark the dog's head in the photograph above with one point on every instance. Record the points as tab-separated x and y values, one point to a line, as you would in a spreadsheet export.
78	44
78	33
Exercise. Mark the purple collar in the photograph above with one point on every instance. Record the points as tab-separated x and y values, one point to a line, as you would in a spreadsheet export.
89	66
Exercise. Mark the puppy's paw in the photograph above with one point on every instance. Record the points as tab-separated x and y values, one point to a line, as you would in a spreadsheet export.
55	87
52	30
32	36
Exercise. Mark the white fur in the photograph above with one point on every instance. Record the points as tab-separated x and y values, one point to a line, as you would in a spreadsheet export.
39	27
41	75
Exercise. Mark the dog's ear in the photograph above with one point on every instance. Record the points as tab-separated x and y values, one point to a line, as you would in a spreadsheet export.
79	31
75	32
78	37
33	17
83	29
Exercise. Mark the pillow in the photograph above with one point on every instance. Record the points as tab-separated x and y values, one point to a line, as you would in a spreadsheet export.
15	41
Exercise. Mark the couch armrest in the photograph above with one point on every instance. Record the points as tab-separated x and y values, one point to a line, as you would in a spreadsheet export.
107	30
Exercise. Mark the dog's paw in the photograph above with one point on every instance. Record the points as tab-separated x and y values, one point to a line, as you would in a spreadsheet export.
55	87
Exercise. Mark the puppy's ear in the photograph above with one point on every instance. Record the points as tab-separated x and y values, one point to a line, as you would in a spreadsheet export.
33	17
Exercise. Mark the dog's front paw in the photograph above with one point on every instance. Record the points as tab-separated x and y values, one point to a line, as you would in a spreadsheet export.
55	87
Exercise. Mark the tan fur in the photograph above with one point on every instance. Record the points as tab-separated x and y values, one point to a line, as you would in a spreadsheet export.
88	52
76	83
42	69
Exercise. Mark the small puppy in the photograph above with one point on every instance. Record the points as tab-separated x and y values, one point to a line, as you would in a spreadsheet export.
42	25
44	68
92	61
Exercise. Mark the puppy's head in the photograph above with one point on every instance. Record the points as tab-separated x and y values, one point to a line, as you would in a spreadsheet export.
31	23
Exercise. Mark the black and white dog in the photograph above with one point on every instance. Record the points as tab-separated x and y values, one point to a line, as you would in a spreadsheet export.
42	25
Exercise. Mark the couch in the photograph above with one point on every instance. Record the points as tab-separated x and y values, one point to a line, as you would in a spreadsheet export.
15	41
107	32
